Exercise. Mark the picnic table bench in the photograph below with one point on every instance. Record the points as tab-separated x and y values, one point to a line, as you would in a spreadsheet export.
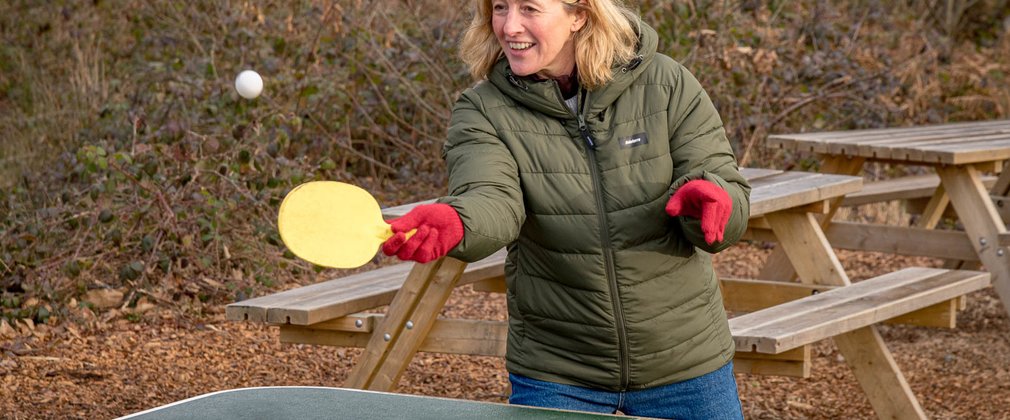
965	158
916	190
770	340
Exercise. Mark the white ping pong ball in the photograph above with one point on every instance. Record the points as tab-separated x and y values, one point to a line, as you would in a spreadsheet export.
249	84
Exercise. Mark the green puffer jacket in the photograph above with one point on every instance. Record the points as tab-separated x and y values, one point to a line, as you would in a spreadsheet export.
605	289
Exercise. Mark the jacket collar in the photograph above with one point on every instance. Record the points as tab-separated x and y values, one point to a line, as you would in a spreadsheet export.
543	96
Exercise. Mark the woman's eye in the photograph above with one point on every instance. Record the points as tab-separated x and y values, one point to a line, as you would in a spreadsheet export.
529	9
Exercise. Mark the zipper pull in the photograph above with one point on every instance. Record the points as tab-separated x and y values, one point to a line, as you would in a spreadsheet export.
584	132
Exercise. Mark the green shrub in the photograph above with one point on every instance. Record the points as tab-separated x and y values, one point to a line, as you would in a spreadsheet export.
127	160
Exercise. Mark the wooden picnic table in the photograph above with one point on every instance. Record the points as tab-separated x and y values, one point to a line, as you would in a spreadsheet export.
961	154
785	207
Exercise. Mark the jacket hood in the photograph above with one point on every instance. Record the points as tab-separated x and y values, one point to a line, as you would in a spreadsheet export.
542	96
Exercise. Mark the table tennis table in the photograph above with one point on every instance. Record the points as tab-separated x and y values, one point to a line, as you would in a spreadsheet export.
306	402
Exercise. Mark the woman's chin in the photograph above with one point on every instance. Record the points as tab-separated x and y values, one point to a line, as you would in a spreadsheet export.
519	69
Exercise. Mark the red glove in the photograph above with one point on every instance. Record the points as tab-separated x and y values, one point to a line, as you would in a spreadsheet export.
439	230
705	201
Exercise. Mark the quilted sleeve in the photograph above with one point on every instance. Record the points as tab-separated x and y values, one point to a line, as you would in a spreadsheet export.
483	182
700	150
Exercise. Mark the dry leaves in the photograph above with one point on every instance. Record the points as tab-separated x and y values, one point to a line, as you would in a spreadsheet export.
110	366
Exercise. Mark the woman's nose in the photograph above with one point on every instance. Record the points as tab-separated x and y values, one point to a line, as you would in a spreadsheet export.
513	23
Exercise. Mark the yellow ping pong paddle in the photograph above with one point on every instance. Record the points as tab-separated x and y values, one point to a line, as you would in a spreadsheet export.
332	224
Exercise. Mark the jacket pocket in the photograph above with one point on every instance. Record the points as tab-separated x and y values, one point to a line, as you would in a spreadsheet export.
516	322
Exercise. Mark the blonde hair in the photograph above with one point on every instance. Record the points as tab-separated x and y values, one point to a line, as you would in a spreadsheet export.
607	39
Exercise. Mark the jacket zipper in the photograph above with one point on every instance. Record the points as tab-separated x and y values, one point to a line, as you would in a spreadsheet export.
622	334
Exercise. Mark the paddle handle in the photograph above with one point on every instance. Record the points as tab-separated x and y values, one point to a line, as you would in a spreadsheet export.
388	233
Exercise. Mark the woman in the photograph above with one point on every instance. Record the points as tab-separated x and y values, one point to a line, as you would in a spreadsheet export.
604	169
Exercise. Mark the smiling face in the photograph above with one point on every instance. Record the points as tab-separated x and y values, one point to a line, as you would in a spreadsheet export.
536	35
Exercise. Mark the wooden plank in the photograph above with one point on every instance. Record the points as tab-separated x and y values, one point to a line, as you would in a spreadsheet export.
363	323
993	166
965	154
760	223
902	188
810	305
901	240
776	178
739	295
961	148
862	304
756	174
778	264
1002	203
257	309
934	210
919	206
450	336
795	363
491	285
901	146
346	295
875	133
745	295
302	334
488	268
411	316
1002	185
982	223
833	318
489	338
919	149
817	207
803	241
850	166
941	315
819	141
878	375
782	193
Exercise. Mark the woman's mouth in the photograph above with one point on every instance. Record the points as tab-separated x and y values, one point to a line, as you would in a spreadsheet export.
519	46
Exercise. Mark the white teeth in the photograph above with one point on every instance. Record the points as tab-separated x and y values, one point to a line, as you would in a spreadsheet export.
520	45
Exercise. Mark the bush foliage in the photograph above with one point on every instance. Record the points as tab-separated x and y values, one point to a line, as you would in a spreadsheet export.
129	162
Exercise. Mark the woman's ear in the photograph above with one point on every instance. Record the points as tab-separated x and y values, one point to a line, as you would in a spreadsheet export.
581	16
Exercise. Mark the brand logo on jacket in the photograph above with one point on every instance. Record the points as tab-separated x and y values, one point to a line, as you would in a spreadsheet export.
634	140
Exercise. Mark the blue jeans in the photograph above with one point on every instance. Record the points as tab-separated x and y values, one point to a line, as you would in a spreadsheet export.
711	396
